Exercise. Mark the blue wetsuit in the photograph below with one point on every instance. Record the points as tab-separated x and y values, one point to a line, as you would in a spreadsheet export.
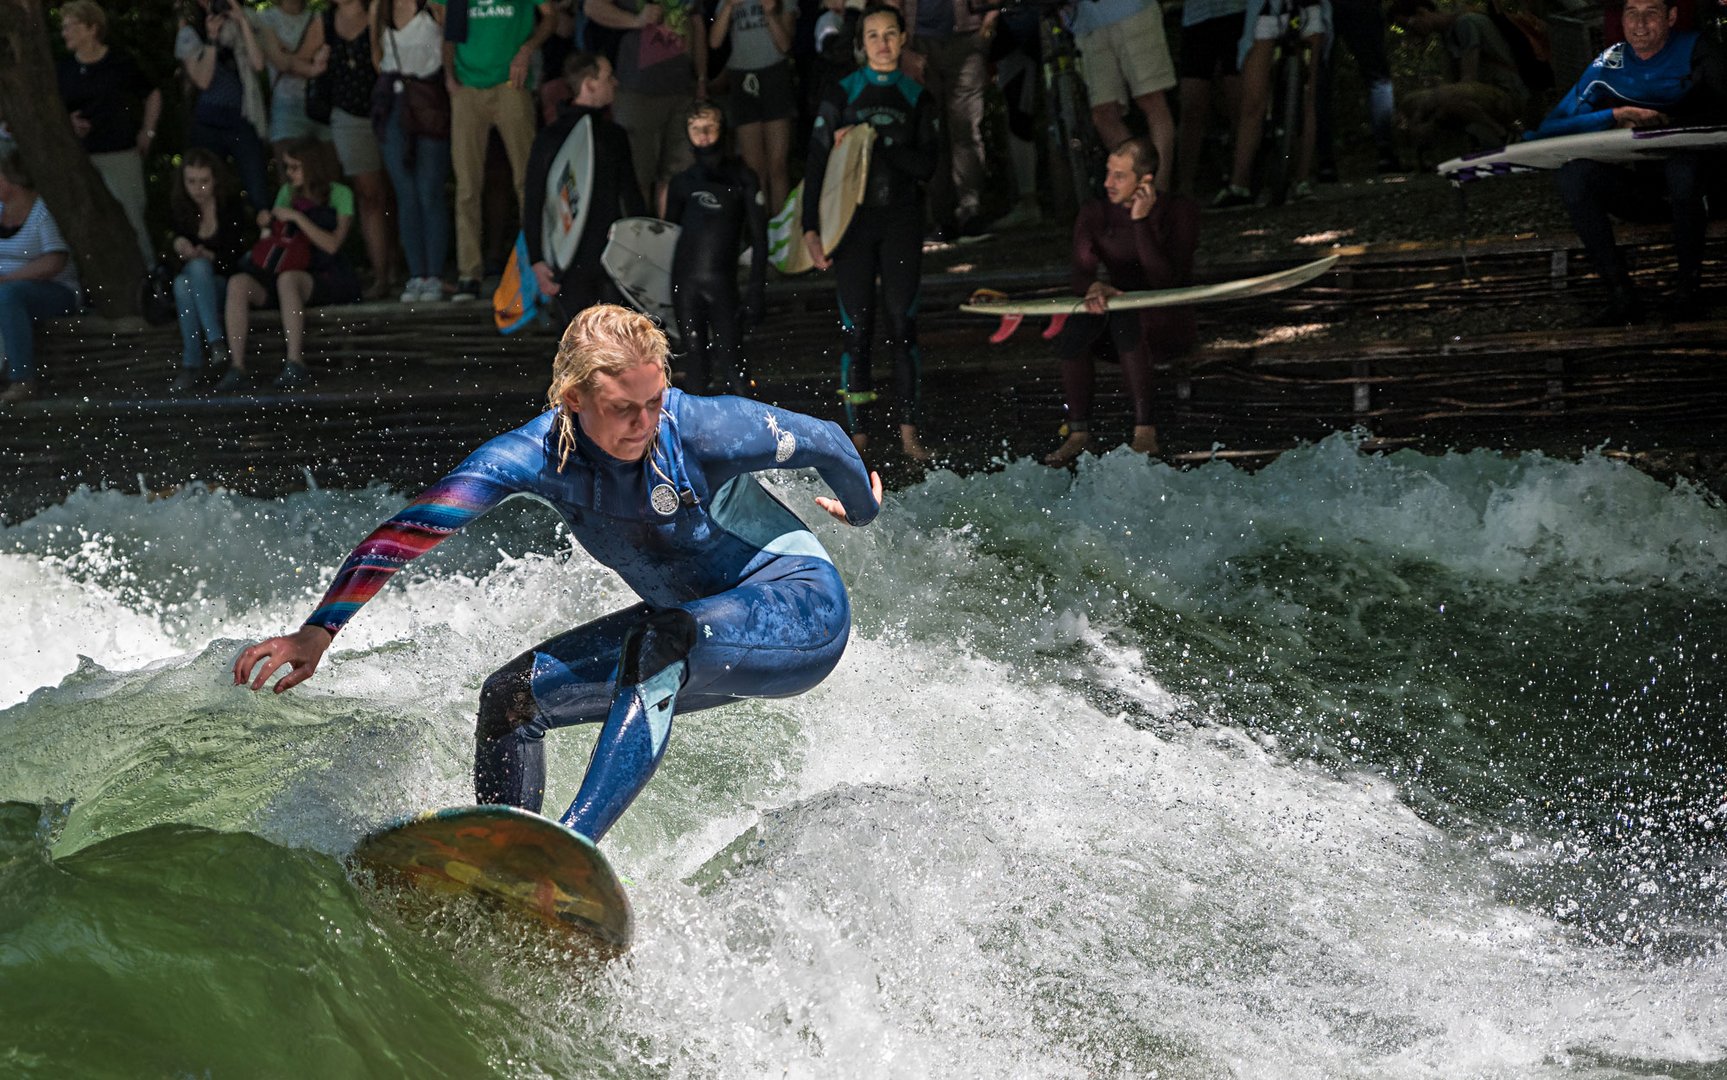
740	599
1684	80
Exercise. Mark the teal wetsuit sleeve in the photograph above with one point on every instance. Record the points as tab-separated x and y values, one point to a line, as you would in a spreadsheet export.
438	513
731	436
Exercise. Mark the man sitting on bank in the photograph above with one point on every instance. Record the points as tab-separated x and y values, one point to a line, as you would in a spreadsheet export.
1143	239
1656	77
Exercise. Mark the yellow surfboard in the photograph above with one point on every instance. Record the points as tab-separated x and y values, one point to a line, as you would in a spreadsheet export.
843	185
536	866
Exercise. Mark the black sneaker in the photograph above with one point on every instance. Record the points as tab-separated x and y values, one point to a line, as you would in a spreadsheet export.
187	380
1687	305
293	377
232	381
466	289
1231	198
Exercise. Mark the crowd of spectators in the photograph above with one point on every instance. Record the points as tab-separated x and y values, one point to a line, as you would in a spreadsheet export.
365	109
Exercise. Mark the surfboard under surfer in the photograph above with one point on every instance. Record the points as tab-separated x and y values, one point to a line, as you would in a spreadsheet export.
739	598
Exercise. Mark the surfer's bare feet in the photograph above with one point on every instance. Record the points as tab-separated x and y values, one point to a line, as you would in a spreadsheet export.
913	446
1144	439
1077	443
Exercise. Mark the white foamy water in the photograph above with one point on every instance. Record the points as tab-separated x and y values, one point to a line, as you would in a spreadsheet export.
1041	822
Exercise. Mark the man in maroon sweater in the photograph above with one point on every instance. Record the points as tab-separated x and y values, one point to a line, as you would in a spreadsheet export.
1143	239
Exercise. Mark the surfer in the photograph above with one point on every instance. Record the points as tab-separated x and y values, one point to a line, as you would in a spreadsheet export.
739	599
1656	77
885	236
1145	239
713	202
614	192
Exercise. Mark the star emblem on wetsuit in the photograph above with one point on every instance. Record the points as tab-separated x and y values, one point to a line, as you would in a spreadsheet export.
785	443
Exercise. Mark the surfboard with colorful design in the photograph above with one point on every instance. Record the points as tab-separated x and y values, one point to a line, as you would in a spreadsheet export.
533	864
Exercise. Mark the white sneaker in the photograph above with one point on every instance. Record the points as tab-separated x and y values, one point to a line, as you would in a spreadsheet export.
413	291
431	288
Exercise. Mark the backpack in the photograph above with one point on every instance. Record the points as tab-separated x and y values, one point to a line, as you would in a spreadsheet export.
517	300
1527	37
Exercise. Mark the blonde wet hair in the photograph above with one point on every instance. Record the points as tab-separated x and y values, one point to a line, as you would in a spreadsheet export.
601	339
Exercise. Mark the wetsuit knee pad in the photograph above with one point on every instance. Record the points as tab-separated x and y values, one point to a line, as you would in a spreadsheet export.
661	639
507	699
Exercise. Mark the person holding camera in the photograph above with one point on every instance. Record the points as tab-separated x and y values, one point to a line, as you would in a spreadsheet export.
221	56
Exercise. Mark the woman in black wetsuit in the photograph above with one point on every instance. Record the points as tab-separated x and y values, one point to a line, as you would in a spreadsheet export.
886	233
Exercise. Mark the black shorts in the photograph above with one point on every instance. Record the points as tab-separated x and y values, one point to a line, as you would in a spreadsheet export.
760	96
331	284
1208	47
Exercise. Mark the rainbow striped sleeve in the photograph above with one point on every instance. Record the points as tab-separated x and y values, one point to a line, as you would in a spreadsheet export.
440	511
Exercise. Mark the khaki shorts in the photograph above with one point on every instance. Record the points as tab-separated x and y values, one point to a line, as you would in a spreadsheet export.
1128	59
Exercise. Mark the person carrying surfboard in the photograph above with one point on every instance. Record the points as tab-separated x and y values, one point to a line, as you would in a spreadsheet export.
885	236
717	203
1655	78
577	281
1145	239
739	598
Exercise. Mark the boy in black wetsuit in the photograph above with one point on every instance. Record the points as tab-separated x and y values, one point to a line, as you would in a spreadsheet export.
714	202
614	193
886	232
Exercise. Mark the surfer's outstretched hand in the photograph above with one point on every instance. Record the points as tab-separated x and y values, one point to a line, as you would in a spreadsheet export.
300	650
837	508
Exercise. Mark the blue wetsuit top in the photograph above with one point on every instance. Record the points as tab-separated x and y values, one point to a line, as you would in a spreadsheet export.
688	521
1683	80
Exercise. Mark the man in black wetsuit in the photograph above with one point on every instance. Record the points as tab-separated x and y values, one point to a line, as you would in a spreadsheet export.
614	193
714	201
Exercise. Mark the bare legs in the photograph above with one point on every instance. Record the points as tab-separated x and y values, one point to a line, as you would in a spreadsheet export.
1112	129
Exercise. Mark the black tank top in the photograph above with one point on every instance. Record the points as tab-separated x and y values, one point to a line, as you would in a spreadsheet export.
351	70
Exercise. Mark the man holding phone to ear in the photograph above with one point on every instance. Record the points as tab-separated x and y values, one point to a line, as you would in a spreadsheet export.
1142	239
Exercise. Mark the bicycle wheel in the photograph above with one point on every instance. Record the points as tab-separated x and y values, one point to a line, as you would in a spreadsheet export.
1284	135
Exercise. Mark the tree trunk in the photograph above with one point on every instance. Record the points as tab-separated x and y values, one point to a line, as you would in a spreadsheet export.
89	217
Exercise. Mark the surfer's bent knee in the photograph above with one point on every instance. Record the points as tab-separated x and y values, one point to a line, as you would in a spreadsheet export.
507	700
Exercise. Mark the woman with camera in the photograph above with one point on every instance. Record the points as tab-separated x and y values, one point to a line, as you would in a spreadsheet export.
222	58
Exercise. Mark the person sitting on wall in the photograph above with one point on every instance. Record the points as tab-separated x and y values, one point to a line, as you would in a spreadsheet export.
1656	77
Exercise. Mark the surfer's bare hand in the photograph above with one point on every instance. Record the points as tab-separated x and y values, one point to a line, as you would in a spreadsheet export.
1097	297
1633	117
837	508
840	133
301	651
543	275
813	244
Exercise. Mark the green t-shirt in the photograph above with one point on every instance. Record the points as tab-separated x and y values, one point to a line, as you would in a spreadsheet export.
497	29
341	198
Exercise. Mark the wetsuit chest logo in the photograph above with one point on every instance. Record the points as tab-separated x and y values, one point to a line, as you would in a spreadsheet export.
709	200
664	499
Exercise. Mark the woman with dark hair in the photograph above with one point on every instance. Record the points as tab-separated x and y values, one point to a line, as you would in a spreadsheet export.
210	238
37	278
885	238
339	45
222	57
299	263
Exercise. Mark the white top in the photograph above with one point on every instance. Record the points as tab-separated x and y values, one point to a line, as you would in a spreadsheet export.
416	49
38	236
